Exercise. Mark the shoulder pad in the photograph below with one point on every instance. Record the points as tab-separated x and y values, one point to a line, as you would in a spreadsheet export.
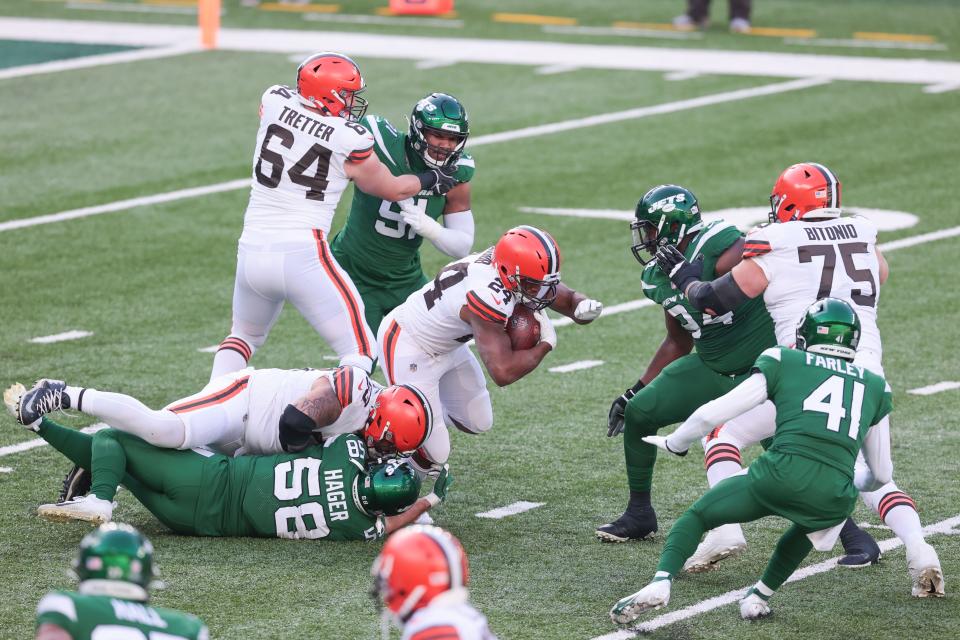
773	352
490	305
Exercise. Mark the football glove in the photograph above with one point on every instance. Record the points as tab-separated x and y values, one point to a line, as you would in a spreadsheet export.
680	272
588	310
661	442
419	221
440	487
547	333
615	416
437	182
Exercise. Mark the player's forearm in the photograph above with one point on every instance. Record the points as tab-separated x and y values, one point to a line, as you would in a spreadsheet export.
513	365
745	396
566	302
876	453
455	236
421	506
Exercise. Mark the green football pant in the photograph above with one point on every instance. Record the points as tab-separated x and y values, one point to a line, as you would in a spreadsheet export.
811	495
168	482
680	389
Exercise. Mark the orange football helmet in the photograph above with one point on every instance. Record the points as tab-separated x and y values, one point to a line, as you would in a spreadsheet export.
417	564
803	189
528	263
399	422
330	82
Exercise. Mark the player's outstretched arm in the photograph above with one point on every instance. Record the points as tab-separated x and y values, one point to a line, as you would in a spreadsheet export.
505	365
318	408
738	280
745	396
424	504
373	177
455	236
575	305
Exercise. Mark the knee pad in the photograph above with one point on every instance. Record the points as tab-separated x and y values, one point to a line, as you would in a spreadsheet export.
356	360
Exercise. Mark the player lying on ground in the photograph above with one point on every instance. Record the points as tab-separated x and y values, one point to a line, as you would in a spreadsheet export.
327	490
792	262
394	231
826	408
115	569
421	576
309	146
423	341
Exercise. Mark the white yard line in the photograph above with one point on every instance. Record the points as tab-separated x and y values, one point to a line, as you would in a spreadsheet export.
941	88
511	52
944	526
597	214
505	136
678	76
132	8
579	365
923	238
510	510
554	69
865	44
39	442
76	334
623	307
6	469
623	31
97	60
935	388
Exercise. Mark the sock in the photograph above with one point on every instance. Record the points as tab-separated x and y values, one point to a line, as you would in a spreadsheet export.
639	500
76	397
721	470
792	548
905	522
74	444
681	542
661	575
159	428
761	590
234	354
108	465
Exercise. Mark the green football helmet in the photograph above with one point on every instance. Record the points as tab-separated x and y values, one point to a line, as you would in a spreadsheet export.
441	114
829	327
389	488
115	560
664	215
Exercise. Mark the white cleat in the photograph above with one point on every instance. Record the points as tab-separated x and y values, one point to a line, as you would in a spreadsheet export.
88	508
753	607
720	544
653	596
924	567
11	399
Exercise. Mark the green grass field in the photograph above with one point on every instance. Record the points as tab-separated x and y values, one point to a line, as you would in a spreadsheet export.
154	283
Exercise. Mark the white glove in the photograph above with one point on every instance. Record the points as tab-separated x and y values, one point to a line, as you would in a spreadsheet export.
547	333
661	442
588	310
419	221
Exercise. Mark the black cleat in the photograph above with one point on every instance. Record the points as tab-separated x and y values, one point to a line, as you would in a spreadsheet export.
77	483
44	397
634	524
859	546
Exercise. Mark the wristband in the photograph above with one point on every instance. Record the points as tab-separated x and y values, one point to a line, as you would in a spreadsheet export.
433	499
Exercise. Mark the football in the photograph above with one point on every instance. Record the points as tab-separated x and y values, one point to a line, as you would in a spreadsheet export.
523	329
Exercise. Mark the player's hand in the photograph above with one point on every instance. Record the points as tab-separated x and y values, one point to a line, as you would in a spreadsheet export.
588	310
419	221
680	272
661	442
437	182
617	409
548	333
440	486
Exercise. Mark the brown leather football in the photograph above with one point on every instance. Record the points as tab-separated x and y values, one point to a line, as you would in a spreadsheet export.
523	329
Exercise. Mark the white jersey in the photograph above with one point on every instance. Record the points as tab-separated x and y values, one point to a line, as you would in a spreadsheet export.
298	164
431	315
806	261
271	390
447	617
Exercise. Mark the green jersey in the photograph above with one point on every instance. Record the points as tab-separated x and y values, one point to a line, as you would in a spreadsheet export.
307	495
376	247
728	344
89	617
825	405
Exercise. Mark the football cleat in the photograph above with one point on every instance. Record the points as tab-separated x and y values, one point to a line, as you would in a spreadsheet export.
653	596
85	508
859	547
634	524
754	607
924	567
44	397
77	483
11	399
721	543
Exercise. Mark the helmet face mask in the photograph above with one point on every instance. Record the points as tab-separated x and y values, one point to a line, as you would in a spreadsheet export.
331	83
442	116
664	215
829	327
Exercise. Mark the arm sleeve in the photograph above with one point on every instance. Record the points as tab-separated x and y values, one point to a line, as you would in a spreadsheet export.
455	236
876	452
745	396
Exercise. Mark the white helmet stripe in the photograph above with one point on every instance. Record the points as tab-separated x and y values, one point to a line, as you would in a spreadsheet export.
452	554
831	182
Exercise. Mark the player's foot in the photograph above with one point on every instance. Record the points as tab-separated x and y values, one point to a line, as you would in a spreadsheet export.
77	483
686	23
924	567
653	596
11	400
44	397
860	549
721	543
754	606
634	524
86	508
739	25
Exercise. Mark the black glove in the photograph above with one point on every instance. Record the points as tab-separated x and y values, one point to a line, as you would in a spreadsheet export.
680	272
438	181
615	417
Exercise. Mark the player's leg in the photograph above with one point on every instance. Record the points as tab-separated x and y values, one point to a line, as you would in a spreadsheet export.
327	298
791	549
216	415
682	386
257	302
463	394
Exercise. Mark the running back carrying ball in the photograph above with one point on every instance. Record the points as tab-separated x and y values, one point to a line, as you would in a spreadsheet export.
523	329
